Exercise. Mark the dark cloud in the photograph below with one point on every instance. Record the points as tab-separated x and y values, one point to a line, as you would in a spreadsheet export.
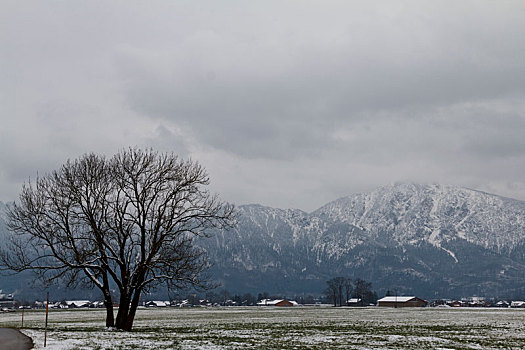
258	97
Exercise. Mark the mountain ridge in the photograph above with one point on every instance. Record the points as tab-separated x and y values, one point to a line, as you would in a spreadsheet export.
401	227
427	239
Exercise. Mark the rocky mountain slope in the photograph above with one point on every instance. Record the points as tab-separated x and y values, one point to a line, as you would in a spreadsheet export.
431	240
412	213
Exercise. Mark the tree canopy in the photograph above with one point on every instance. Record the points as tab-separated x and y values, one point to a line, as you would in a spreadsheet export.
127	221
363	290
339	290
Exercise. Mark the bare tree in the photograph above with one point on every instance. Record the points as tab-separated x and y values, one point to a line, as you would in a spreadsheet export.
363	290
129	221
348	289
331	291
335	290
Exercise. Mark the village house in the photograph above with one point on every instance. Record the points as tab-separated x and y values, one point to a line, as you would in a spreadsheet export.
455	303
402	301
354	302
479	303
502	303
39	304
97	304
7	301
157	303
183	303
204	302
76	304
277	302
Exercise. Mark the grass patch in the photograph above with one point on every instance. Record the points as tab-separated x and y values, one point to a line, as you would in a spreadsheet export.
293	328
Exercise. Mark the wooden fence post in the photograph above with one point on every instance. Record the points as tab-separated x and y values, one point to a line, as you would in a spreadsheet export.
45	331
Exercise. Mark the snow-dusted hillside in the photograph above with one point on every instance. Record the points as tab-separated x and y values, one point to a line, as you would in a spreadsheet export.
429	239
412	213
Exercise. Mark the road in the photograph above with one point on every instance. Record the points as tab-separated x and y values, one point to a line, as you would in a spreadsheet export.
12	339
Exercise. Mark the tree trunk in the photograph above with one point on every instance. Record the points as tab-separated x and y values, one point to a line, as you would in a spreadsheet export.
132	311
123	311
108	303
110	318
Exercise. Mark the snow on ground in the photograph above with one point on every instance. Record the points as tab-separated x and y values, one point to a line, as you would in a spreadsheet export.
264	327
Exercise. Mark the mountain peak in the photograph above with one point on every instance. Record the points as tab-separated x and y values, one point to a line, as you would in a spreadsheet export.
428	239
433	213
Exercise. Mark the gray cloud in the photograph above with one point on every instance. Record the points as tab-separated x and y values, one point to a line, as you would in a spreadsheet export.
257	97
286	103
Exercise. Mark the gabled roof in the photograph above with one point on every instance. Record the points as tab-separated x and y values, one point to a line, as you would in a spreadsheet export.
6	297
353	300
78	303
269	302
398	299
158	303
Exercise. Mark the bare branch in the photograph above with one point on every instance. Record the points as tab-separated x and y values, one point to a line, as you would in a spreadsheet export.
130	219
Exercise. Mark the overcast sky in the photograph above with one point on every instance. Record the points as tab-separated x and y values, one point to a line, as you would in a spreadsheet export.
287	103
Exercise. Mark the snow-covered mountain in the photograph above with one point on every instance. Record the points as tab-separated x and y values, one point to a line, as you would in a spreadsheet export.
411	214
426	239
429	240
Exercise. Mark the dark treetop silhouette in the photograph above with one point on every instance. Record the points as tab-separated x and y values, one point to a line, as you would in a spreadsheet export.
128	221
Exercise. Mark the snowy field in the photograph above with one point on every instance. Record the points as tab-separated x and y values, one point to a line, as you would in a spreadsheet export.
281	328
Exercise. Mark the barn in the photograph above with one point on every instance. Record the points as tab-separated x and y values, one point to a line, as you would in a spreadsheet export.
402	301
354	302
75	304
277	302
157	303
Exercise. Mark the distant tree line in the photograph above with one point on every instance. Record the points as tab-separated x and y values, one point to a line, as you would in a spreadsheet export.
341	289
